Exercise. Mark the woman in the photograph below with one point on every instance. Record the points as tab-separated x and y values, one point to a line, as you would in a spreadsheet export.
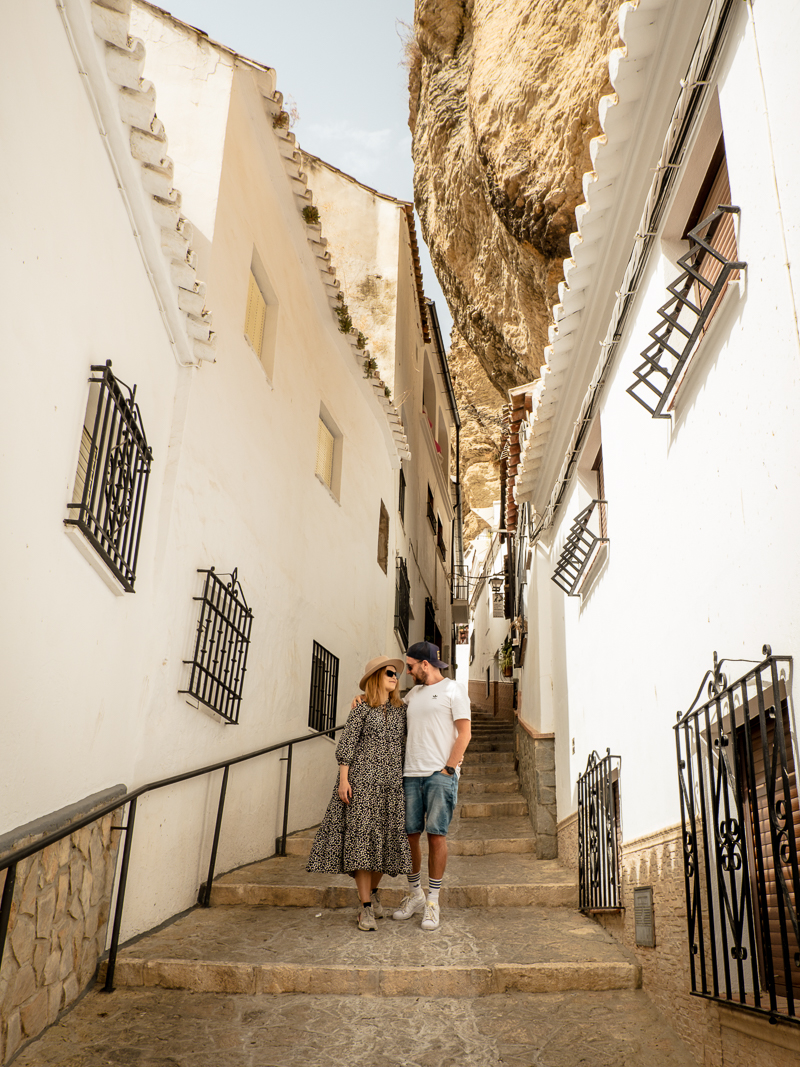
363	833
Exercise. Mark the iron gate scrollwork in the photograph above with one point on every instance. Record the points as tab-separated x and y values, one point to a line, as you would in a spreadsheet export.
598	826
741	823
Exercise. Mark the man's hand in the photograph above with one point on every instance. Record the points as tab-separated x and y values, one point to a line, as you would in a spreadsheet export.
356	700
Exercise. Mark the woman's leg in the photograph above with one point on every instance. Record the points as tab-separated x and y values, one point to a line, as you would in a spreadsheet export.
364	885
376	879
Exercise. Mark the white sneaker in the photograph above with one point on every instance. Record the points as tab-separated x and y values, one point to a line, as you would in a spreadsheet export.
366	920
430	920
410	905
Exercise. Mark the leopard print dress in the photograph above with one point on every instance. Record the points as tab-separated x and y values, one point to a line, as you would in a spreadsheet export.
369	833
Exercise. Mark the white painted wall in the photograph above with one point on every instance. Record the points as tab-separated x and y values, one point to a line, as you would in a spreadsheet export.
92	679
703	508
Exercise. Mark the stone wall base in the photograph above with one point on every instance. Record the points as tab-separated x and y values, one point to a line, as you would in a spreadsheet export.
536	766
717	1035
499	702
59	913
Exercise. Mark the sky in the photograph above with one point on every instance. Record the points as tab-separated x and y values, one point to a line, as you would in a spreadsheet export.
340	65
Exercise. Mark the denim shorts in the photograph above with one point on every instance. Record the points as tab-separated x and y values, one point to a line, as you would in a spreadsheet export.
430	802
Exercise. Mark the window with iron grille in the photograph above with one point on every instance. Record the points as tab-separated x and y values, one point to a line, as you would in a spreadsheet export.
402	602
324	688
431	510
741	837
598	834
220	653
401	499
440	538
695	295
432	632
110	489
580	551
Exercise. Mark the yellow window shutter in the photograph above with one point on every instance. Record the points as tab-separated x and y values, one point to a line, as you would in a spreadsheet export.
255	315
324	453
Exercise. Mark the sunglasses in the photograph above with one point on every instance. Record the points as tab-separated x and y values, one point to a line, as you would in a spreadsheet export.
390	673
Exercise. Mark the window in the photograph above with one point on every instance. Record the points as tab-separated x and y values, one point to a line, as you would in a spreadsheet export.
597	467
261	315
431	510
383	539
255	315
220	652
695	295
324	687
472	648
328	466
432	632
110	489
741	837
599	834
401	499
402	603
440	539
488	681
579	551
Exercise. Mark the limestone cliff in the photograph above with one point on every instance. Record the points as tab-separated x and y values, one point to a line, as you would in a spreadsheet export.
503	106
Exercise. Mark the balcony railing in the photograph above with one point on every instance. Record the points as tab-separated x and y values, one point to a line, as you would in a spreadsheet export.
598	834
741	824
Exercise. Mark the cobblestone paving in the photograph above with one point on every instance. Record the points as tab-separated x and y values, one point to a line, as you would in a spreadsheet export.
158	1028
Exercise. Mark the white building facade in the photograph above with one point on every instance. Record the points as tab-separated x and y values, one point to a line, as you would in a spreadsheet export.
669	524
218	585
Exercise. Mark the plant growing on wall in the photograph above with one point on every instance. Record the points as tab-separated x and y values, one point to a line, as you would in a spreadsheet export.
507	657
387	392
343	315
361	341
370	366
281	121
311	215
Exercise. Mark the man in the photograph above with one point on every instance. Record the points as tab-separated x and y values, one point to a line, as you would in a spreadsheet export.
439	730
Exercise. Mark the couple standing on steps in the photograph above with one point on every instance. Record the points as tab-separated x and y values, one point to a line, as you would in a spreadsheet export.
398	775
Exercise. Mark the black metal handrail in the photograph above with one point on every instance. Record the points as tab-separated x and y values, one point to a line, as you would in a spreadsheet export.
11	861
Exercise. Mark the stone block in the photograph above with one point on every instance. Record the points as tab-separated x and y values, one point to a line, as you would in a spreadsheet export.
200	977
547	848
52	968
75	873
28	877
54	994
41	950
62	894
33	1015
75	909
86	889
45	912
92	923
13	1036
71	991
64	847
545	779
67	961
22	938
547	797
24	985
545	756
49	863
545	821
88	961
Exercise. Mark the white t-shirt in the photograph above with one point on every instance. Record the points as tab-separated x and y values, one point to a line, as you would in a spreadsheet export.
431	713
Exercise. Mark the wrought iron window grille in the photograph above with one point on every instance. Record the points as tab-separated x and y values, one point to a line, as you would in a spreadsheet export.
219	664
741	824
579	551
114	469
693	299
440	539
402	602
598	834
324	689
401	497
431	511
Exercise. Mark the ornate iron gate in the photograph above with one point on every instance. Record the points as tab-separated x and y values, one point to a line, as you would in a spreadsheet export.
741	824
598	825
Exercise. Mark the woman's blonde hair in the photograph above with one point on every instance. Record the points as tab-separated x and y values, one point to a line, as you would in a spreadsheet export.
372	689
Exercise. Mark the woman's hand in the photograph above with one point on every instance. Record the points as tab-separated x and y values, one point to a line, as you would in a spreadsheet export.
345	789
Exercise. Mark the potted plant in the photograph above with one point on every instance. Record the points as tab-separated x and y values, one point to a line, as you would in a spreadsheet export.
507	658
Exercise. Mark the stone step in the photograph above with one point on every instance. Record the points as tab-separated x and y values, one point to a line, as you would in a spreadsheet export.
467	837
479	806
489	783
513	880
475	952
611	1027
491	746
472	759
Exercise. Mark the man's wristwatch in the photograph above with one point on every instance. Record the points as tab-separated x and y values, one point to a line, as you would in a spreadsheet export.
450	770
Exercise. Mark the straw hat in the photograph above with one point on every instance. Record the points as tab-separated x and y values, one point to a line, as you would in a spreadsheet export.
379	662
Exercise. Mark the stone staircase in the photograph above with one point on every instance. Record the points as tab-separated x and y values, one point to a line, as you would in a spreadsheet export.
509	921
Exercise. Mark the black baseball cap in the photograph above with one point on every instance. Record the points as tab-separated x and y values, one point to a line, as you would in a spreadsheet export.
425	650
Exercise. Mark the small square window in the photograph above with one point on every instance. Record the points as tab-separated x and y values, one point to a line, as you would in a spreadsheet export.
255	316
325	441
